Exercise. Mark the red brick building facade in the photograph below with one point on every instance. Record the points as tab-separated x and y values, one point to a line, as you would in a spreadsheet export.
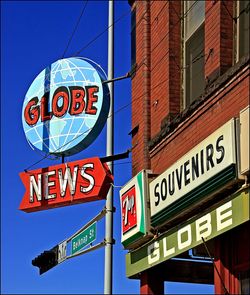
190	75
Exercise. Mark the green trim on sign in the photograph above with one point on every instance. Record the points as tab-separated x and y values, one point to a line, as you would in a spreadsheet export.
195	195
132	239
220	218
139	180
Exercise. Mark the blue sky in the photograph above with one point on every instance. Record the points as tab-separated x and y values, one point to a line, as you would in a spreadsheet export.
35	34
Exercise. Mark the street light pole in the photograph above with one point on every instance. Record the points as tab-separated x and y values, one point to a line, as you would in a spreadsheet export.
108	272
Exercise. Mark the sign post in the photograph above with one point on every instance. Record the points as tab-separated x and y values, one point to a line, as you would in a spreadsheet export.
64	110
110	151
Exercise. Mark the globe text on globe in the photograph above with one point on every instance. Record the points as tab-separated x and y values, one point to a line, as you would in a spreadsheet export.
66	106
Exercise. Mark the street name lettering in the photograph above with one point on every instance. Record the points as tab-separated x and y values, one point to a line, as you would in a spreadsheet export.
84	238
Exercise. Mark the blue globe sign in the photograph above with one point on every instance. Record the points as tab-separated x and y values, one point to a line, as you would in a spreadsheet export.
66	106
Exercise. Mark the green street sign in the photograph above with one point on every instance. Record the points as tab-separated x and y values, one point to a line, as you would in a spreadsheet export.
84	238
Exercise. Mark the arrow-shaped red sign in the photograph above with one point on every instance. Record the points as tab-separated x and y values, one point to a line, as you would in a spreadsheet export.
65	184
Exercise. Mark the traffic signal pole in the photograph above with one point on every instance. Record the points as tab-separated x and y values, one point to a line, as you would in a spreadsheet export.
108	271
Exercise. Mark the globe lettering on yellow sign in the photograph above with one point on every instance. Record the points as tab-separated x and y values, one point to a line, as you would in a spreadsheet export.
66	106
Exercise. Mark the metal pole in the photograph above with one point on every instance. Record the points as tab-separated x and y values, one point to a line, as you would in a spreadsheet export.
108	272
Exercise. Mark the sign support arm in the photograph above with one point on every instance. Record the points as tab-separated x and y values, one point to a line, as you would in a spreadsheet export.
95	247
96	218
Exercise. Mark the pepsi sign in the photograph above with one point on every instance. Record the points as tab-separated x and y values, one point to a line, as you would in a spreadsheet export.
66	106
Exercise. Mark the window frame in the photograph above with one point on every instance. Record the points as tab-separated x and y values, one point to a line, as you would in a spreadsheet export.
238	10
185	41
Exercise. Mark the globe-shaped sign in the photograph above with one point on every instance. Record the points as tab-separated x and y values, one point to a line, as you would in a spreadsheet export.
66	106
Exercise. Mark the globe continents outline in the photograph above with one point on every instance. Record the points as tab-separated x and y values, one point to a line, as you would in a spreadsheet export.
67	134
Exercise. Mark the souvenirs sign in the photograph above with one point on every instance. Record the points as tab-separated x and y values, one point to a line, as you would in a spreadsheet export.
205	168
65	184
66	107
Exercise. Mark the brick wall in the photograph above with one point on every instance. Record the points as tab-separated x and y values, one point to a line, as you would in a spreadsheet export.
141	88
217	110
156	86
155	96
218	38
165	62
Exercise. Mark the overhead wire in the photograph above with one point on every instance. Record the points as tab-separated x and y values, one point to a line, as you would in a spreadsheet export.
161	10
101	33
229	13
106	29
198	56
195	59
177	22
123	107
246	10
83	48
180	18
81	134
76	26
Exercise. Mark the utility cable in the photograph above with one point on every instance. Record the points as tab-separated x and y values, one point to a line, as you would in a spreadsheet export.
229	13
76	26
246	10
162	9
106	29
81	134
101	33
123	107
176	23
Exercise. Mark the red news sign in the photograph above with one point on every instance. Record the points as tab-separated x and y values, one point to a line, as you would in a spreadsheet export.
65	184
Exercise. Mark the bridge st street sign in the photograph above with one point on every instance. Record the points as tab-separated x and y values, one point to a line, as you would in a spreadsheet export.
65	184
